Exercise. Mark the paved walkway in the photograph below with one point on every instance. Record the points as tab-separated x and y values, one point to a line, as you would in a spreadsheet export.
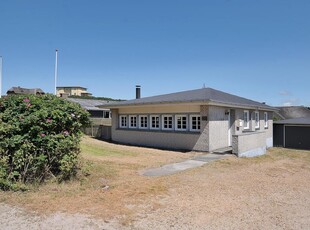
181	166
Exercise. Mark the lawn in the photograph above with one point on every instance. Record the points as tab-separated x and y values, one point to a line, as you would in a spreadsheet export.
270	191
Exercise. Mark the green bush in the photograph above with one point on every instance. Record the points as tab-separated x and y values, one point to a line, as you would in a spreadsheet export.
39	139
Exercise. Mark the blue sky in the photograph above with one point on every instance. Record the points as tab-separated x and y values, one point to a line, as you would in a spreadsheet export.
255	49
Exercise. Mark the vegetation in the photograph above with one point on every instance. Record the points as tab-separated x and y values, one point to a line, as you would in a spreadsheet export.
39	139
95	98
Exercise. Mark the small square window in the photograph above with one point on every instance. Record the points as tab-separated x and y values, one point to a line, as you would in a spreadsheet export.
132	121
266	119
154	122
181	122
123	121
246	119
143	119
195	122
167	123
256	119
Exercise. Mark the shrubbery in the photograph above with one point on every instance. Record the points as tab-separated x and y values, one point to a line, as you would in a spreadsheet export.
39	139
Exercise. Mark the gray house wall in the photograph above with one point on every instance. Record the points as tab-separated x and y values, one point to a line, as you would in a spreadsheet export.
213	132
159	139
218	127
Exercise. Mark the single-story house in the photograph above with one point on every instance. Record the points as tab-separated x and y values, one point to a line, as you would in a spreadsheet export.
24	91
201	120
292	133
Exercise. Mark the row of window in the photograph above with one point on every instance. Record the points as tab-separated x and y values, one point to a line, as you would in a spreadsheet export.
246	119
161	122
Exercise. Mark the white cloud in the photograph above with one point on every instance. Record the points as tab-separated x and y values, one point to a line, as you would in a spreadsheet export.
285	93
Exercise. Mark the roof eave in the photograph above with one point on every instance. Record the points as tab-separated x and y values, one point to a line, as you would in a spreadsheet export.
202	102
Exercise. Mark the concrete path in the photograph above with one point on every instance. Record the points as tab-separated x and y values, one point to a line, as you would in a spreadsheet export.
181	166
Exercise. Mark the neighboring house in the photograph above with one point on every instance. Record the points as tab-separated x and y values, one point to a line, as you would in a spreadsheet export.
201	120
24	91
100	118
292	133
288	112
62	91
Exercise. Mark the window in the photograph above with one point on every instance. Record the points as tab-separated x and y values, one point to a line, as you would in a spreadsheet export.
167	122
195	122
256	120
266	119
132	121
143	122
123	121
180	122
154	122
246	118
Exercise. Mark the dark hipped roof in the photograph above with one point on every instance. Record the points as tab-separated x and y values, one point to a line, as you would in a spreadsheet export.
288	112
295	121
204	95
88	104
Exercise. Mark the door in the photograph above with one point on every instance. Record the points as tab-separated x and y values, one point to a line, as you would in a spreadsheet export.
297	137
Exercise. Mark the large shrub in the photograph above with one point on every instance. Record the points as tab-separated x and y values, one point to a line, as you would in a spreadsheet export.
39	139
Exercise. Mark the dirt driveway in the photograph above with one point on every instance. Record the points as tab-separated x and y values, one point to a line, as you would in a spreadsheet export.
268	192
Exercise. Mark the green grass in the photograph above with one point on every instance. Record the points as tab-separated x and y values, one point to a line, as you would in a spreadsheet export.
96	150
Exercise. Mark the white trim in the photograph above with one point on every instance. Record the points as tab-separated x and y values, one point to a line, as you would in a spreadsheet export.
266	119
176	122
256	113
163	122
246	124
129	122
147	121
198	123
151	122
121	121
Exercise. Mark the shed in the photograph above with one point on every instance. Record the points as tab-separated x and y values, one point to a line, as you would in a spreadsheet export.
292	133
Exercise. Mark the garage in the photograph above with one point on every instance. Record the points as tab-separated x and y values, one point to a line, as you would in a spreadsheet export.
292	133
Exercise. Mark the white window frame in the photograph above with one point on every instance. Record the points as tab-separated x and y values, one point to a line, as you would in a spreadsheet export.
176	122
163	122
147	121
256	116
121	121
266	119
198	123
129	122
151	122
246	123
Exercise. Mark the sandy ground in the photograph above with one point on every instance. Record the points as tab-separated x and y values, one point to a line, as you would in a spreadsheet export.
270	192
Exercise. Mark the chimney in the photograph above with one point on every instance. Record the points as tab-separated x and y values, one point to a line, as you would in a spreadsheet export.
138	91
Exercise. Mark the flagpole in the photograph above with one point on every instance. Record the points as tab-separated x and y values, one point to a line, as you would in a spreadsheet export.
0	76
56	63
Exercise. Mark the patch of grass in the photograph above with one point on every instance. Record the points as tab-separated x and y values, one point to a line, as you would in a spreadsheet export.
97	150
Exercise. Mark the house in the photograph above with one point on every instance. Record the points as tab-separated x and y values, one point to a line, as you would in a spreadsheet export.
200	120
100	118
23	91
71	91
292	133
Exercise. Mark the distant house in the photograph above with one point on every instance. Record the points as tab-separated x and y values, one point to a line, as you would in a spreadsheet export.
91	106
100	118
22	91
72	91
201	120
